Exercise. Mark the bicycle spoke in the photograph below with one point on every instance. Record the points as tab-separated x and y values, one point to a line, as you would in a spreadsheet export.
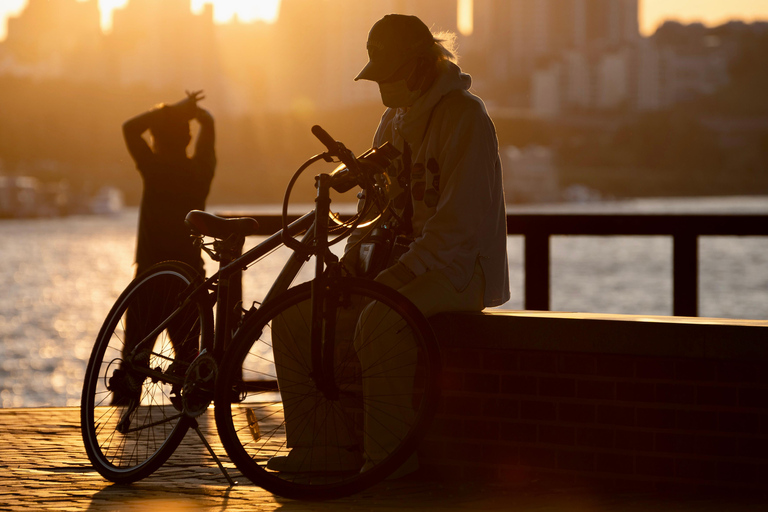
322	439
127	444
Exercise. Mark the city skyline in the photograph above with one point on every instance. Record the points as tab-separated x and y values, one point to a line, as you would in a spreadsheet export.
541	57
571	84
652	12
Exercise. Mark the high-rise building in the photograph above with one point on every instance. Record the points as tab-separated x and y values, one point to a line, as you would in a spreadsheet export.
555	54
54	38
162	44
307	59
320	47
518	35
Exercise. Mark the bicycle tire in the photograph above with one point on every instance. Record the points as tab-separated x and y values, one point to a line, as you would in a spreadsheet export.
251	412
156	425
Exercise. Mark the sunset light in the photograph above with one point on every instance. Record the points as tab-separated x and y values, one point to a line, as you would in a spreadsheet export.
465	18
105	8
652	12
246	10
709	12
9	8
224	11
642	121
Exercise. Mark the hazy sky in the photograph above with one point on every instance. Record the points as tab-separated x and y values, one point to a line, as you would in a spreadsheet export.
652	12
711	12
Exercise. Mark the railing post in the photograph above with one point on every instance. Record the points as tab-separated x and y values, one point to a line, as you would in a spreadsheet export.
537	271
685	275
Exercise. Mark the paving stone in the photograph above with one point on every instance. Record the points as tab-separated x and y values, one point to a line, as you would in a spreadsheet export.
43	466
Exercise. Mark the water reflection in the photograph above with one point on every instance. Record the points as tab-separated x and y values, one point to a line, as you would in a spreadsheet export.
59	282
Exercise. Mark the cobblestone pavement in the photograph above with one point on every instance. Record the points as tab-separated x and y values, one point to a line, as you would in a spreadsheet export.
43	466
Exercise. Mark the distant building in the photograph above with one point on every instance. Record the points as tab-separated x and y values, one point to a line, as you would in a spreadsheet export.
55	39
546	90
522	38
649	75
144	50
19	196
325	48
530	175
613	88
552	57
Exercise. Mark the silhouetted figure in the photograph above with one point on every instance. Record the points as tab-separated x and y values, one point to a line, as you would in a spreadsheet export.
448	194
174	184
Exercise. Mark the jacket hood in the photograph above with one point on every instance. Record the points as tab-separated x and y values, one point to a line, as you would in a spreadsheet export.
411	123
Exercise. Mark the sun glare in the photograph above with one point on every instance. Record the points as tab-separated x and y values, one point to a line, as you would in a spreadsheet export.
223	10
465	17
709	12
245	10
105	8
652	12
9	8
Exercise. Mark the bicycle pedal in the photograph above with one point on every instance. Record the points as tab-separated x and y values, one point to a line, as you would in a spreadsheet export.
253	424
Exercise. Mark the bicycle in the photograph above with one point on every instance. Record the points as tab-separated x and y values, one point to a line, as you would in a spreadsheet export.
322	390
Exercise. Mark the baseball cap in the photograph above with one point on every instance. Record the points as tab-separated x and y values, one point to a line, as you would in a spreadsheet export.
392	41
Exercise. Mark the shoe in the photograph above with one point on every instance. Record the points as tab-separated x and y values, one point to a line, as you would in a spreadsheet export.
318	459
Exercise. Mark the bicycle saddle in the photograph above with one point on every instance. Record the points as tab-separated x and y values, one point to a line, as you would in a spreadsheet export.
208	224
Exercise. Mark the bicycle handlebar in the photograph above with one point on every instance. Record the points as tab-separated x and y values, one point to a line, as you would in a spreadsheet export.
335	148
356	171
325	138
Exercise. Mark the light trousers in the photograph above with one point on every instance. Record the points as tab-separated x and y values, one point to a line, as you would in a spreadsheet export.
387	355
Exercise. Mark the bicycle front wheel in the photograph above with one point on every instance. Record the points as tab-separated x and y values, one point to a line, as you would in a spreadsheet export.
328	421
131	410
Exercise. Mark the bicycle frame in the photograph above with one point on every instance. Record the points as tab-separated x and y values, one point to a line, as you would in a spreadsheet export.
185	382
220	282
314	225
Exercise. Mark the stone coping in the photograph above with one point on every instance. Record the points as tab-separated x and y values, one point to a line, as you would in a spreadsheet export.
642	335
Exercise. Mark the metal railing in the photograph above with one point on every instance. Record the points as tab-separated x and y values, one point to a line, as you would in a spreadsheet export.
685	230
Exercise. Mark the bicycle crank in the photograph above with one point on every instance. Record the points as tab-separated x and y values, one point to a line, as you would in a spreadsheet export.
199	381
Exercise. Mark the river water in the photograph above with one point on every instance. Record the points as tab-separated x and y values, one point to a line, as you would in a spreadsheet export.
59	277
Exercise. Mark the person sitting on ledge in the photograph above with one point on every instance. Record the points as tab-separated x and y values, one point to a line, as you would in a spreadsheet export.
449	197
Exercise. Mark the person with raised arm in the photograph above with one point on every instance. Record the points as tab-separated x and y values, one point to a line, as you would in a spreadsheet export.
173	185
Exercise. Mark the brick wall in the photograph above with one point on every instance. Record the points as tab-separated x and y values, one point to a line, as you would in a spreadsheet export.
622	420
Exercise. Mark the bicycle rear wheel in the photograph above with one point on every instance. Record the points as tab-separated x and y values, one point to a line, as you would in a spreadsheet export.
308	441
131	411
